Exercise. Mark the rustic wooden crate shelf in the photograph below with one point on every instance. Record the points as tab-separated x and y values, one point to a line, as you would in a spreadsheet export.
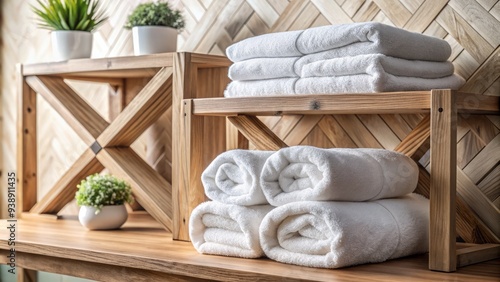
149	86
143	251
437	131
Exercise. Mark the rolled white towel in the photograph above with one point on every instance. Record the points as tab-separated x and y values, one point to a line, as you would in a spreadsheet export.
306	173
233	177
340	234
227	230
346	40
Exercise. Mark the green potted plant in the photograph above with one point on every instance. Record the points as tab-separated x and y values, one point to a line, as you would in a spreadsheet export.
71	23
155	26
101	198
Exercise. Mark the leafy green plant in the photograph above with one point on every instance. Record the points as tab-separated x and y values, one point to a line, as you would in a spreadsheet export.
98	190
83	15
155	13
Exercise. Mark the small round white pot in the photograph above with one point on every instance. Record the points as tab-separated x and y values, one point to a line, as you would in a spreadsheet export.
154	39
71	44
110	217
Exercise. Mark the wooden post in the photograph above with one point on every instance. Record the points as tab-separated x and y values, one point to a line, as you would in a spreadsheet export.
443	182
196	140
26	145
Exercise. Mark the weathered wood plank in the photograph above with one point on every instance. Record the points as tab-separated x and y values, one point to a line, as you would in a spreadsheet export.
151	190
86	122
64	190
259	134
153	100
442	254
394	102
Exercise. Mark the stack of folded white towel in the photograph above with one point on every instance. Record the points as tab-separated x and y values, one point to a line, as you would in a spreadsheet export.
346	58
332	207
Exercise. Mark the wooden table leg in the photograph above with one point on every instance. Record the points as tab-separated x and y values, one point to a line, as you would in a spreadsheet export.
442	245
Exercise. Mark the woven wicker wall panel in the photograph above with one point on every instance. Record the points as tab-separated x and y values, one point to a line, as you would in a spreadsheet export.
471	27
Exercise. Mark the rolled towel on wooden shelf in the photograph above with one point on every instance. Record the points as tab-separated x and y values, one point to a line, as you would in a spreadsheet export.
228	230
346	40
306	173
340	234
233	177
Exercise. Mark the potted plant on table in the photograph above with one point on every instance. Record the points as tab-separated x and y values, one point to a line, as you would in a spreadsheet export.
155	26
71	23
101	199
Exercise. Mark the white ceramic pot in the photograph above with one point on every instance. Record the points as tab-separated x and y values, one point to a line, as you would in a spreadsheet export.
154	39
110	217
71	44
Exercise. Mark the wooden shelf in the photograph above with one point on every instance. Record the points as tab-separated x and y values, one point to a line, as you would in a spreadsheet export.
437	130
349	103
143	251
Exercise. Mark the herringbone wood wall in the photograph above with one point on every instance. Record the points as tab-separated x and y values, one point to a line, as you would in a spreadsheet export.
470	26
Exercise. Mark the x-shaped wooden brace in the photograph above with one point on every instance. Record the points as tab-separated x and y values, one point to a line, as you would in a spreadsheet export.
109	143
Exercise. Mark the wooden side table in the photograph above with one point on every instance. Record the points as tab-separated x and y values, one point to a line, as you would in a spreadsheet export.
173	77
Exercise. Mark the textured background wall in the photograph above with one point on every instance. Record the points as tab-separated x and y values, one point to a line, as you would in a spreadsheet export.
470	26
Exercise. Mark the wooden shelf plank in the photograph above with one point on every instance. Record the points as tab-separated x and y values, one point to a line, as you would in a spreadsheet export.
360	103
209	61
64	190
473	103
257	132
153	100
141	246
130	66
443	181
477	253
86	122
151	190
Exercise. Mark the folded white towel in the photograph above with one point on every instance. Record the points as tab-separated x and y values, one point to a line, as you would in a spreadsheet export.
228	230
266	87
306	173
339	234
360	83
373	64
376	82
233	177
345	40
320	65
263	68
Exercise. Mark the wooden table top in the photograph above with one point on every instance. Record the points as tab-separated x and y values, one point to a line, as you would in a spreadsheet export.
143	244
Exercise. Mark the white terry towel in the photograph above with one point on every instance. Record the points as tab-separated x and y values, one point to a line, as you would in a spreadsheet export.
345	40
266	87
306	173
374	64
263	68
228	230
340	234
376	82
318	65
233	177
359	83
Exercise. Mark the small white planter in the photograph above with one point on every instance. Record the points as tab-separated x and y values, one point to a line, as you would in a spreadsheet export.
154	39
110	217
71	44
